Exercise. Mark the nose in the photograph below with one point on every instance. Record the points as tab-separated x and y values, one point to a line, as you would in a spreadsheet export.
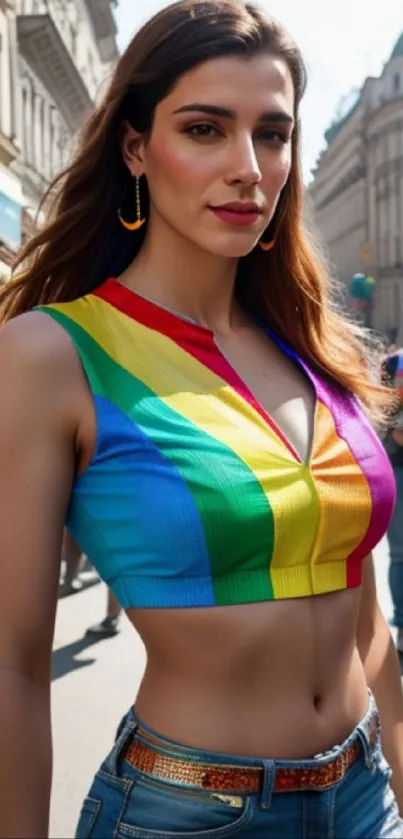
243	167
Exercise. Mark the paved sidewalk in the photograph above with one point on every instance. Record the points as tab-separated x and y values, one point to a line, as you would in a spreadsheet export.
94	684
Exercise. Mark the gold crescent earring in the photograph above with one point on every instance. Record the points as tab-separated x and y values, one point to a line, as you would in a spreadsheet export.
266	246
133	225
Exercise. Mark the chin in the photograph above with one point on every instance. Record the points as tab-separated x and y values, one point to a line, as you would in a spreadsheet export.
231	249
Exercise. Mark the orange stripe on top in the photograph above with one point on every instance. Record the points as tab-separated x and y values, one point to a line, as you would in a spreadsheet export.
337	476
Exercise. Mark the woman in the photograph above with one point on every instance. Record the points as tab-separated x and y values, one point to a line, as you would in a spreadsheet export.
187	393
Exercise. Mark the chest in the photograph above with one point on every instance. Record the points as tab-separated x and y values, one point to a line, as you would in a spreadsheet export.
192	484
193	480
282	389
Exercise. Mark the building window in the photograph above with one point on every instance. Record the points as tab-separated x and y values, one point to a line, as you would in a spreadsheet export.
398	255
398	222
52	162
73	40
384	252
396	83
42	134
25	122
90	65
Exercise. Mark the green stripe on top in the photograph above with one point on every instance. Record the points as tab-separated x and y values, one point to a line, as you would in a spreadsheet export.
226	493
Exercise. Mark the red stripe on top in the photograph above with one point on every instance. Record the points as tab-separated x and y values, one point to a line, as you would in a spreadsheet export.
195	339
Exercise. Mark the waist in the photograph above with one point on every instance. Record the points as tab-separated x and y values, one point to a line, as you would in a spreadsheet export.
158	757
254	680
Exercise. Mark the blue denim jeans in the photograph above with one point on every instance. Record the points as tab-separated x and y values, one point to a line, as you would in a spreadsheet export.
125	803
395	540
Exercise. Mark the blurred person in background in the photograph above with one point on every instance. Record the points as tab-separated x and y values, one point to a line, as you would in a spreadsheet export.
188	398
72	562
110	625
394	447
77	571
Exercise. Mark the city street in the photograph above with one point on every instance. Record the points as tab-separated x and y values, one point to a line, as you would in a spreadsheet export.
93	685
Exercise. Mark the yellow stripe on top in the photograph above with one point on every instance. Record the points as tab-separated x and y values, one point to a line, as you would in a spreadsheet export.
295	496
197	394
335	475
163	366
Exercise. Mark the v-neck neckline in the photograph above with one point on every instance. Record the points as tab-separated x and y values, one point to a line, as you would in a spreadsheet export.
285	348
200	341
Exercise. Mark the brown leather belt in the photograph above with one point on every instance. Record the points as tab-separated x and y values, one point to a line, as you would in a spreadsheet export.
156	762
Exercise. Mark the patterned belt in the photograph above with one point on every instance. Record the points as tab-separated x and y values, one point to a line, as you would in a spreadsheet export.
223	777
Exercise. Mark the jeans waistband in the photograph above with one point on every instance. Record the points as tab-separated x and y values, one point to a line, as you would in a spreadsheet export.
367	732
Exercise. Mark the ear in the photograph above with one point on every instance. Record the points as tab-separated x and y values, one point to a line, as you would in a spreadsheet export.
132	148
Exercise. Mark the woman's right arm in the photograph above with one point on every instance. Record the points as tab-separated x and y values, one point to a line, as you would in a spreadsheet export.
38	404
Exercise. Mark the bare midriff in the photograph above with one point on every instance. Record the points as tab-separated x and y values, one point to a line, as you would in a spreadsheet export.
279	680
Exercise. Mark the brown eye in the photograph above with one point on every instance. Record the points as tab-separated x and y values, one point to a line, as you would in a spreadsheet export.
202	129
275	137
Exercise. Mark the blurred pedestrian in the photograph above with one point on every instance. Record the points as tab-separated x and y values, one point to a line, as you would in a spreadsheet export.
110	625
72	561
394	448
77	571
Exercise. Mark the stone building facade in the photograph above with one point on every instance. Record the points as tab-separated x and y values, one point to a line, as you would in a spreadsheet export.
357	192
61	51
10	184
66	49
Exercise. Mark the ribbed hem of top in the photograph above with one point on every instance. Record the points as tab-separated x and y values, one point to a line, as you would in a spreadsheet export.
230	589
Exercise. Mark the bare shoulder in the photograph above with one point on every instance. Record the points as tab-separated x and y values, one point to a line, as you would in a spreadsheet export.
35	339
38	359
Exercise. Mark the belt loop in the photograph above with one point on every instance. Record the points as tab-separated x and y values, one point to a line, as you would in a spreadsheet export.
368	733
125	732
269	775
366	749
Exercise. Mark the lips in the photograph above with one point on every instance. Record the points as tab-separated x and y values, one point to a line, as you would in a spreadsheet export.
238	213
240	207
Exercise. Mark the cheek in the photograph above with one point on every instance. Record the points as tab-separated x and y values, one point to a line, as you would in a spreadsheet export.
176	163
165	165
277	174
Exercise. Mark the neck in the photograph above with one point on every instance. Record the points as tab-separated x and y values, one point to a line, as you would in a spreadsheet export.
176	273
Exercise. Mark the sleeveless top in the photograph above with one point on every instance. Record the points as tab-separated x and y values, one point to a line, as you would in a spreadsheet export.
194	496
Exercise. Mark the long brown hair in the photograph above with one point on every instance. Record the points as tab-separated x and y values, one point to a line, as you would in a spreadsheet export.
83	242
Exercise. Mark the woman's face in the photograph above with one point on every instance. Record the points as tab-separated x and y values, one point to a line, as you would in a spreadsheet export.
220	152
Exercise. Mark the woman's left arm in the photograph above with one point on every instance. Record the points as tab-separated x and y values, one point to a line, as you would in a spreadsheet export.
378	654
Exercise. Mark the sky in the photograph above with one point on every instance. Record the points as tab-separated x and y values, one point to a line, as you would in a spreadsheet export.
343	42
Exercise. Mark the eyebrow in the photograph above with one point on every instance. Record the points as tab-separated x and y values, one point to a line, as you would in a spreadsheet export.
226	113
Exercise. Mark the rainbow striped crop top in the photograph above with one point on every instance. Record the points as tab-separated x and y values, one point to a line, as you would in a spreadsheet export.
193	496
